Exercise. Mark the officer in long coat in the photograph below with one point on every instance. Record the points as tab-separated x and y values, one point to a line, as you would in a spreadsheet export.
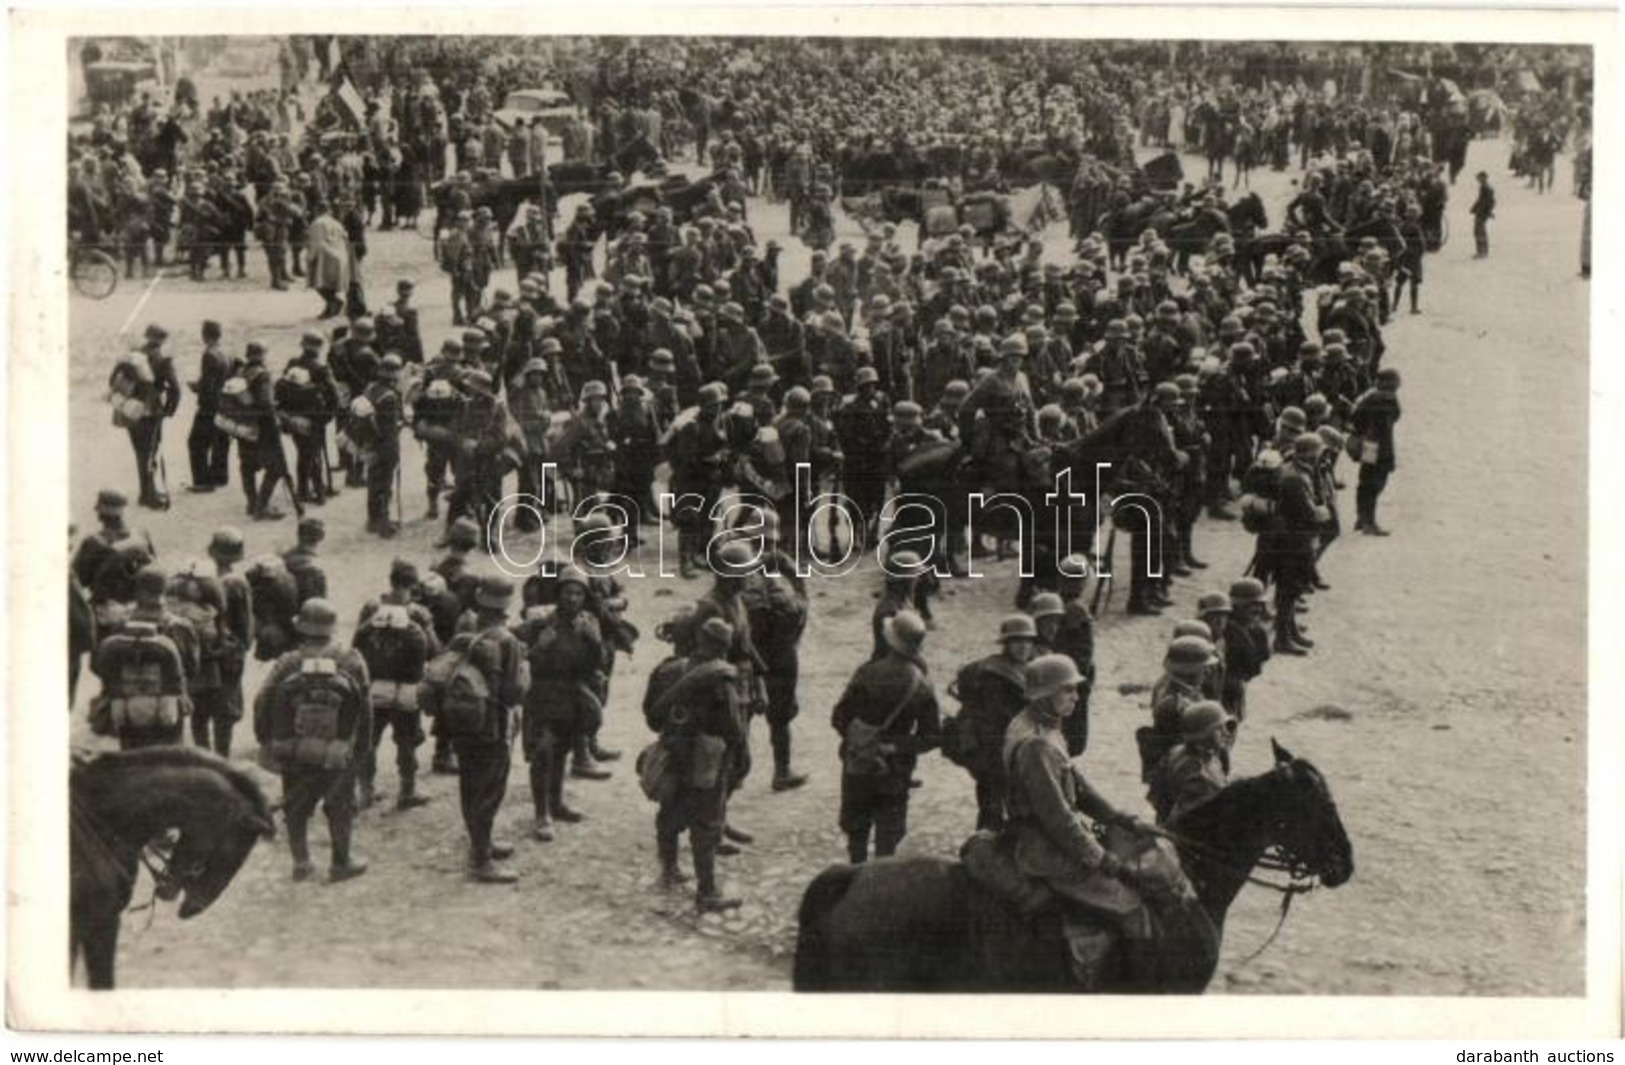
331	259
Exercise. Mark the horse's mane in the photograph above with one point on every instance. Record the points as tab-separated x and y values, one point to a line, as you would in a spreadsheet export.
1195	821
168	757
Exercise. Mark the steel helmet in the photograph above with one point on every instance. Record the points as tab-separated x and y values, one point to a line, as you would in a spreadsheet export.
903	632
1200	719
1048	674
1045	605
1191	652
1017	627
1246	591
1190	627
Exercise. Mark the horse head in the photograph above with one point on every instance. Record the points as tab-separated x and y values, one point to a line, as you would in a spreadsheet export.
215	841
1307	826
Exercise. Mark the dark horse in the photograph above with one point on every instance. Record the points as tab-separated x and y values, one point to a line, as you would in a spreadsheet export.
922	925
1248	218
120	802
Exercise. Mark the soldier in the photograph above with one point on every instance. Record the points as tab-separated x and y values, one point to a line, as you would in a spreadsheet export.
635	436
410	346
1199	766
726	600
1074	636
307	399
436	413
147	380
565	649
304	563
313	716
1372	421
396	636
457	260
1246	644
208	446
531	244
146	665
1185	668
696	463
384	459
475	714
992	690
1288	551
863	427
486	444
777	605
887	717
1482	210
223	704
692	702
262	455
576	247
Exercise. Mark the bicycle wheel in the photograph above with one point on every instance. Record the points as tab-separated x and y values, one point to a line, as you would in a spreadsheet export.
95	274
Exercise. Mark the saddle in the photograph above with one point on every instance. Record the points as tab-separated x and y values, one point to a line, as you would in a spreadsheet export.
1091	930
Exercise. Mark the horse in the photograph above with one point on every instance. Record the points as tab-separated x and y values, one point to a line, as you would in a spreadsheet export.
1189	236
1247	219
922	925
120	802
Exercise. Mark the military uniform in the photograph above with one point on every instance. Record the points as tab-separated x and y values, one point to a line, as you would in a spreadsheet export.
563	705
893	687
483	760
992	691
208	446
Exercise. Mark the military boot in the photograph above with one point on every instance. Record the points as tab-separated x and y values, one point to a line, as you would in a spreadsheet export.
709	898
539	789
671	873
1284	644
555	794
345	865
784	778
299	844
584	765
409	799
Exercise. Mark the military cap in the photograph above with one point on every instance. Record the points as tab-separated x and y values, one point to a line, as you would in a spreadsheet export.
405	284
403	571
310	529
494	593
110	501
1388	378
156	332
226	544
316	618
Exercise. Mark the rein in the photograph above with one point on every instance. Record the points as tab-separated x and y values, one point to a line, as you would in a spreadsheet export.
1300	880
157	864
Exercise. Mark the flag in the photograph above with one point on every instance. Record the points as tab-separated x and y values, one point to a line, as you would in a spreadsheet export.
350	102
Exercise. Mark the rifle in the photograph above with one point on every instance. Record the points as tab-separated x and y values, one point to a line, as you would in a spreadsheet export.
1103	582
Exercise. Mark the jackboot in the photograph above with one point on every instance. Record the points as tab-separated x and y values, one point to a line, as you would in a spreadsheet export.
345	865
671	873
366	793
709	898
539	788
601	753
584	766
1296	633
736	835
555	794
857	848
409	799
299	845
784	778
1284	644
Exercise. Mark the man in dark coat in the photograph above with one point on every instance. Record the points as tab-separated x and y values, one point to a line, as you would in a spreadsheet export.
891	695
208	446
1373	421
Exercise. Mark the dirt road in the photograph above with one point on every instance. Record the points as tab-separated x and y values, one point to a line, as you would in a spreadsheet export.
1444	703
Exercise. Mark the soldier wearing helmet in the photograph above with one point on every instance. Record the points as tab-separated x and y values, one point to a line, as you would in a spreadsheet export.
281	707
732	567
587	447
1186	667
1052	807
1286	553
146	662
1246	643
887	716
863	427
991	691
1198	767
698	451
